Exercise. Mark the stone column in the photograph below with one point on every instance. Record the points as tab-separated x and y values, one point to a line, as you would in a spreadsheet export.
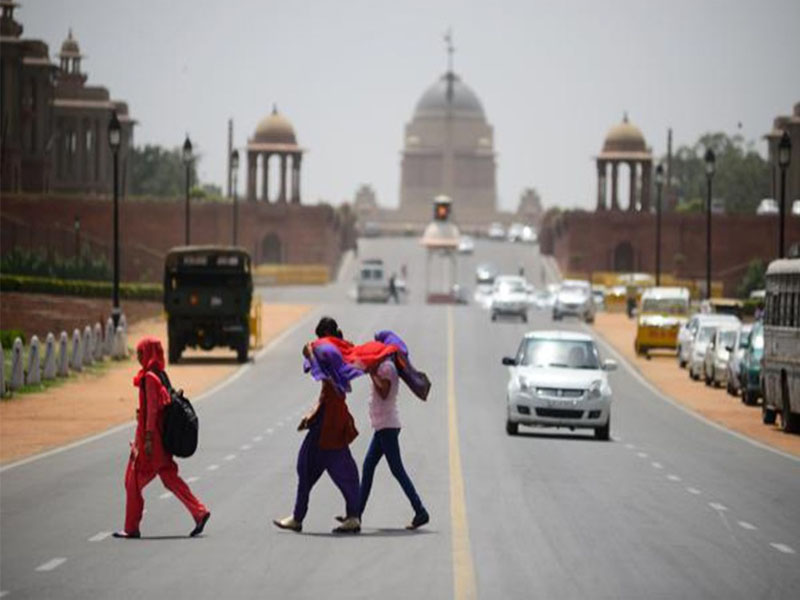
265	176
601	185
282	197
252	165
632	201
647	168
614	199
296	160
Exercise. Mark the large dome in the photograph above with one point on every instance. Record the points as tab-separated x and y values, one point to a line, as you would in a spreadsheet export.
435	102
275	129
624	137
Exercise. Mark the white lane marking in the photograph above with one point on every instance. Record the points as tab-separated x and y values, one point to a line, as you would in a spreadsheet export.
258	438
270	431
642	380
245	447
165	495
230	457
673	477
51	564
192	479
748	526
782	548
99	537
717	506
3	593
657	465
694	491
213	467
280	423
630	446
641	454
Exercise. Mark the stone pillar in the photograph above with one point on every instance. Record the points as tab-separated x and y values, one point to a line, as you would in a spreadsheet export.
632	201
282	197
647	168
265	176
614	172
252	165
601	185
296	160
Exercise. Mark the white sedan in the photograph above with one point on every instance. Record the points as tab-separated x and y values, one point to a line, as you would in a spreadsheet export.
510	297
557	380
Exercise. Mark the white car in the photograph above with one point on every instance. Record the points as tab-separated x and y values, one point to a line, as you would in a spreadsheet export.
496	231
515	232
697	359
715	365
371	282
510	297
466	245
528	235
768	206
687	333
737	349
574	298
557	380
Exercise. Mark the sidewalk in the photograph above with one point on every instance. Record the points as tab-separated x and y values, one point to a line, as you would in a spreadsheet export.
712	403
91	403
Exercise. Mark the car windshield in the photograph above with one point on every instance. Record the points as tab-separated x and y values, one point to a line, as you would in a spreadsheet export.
567	354
573	289
511	287
665	306
706	333
727	338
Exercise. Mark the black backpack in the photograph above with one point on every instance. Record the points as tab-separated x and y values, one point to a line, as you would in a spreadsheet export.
181	426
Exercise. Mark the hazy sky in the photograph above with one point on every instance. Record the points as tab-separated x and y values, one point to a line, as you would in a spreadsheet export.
553	76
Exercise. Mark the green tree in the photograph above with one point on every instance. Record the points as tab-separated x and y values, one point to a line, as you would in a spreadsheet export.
753	278
741	179
157	171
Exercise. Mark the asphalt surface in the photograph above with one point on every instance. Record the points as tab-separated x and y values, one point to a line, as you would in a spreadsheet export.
670	508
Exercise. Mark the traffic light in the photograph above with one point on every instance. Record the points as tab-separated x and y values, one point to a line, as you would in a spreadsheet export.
441	208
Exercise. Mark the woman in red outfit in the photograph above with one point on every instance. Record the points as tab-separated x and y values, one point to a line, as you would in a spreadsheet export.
148	456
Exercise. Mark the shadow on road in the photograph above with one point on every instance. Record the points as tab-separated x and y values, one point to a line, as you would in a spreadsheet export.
208	360
367	532
560	436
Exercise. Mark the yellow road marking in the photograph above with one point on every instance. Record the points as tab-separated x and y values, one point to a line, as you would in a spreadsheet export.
464	584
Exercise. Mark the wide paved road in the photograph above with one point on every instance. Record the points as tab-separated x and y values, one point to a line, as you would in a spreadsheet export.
671	508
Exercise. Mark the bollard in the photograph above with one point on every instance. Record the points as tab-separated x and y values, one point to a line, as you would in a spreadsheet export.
123	322
63	355
76	364
120	344
49	369
34	375
17	374
2	372
87	346
108	340
97	342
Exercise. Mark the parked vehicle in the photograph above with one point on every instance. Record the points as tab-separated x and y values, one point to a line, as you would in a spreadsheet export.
510	298
781	371
574	298
700	343
599	296
715	364
207	296
750	368
663	311
737	350
496	231
371	282
687	333
767	206
557	379
543	300
485	273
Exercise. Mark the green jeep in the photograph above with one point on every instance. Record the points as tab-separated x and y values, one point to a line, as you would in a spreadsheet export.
207	294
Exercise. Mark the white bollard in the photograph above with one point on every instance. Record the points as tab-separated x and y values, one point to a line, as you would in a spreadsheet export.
49	369
2	372
63	355
108	340
120	344
76	364
97	342
88	358
34	375
123	322
17	372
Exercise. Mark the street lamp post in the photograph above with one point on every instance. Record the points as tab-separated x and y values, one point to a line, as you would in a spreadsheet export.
784	157
235	173
114	141
659	186
187	161
77	227
710	160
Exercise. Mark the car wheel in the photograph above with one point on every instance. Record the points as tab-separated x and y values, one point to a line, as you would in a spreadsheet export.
681	362
789	422
524	318
729	387
767	415
706	380
241	351
494	317
512	428
604	432
174	350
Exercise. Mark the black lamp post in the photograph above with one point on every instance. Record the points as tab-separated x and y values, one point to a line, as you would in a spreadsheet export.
235	173
659	186
710	166
77	226
784	158
114	141
187	161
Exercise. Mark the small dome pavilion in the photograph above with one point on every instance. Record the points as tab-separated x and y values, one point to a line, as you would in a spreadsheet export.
624	144
274	135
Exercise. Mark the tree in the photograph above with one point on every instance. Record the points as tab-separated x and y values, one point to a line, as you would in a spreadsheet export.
156	171
753	278
741	179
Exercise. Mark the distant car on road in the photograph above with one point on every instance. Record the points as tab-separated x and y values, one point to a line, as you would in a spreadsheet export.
543	300
515	232
556	379
510	297
737	350
485	273
715	363
496	231
767	206
371	282
466	245
528	235
574	298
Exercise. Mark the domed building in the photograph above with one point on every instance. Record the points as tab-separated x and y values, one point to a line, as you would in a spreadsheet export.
624	145
449	149
274	135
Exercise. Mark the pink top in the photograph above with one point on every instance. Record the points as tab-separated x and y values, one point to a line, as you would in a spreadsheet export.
383	411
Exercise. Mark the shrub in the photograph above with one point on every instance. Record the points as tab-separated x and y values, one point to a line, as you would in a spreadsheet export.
25	262
76	287
7	337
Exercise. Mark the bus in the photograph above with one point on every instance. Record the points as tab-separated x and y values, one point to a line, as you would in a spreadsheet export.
781	370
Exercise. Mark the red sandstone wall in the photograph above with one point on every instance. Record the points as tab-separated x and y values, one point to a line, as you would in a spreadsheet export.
148	228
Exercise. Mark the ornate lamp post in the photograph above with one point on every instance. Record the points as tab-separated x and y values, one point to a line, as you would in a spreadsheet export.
784	158
114	141
235	173
77	227
659	187
187	161
710	160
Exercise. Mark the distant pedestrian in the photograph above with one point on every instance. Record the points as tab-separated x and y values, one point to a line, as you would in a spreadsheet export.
148	457
393	289
331	430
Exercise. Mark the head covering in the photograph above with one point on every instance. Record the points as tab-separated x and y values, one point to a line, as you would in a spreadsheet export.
152	357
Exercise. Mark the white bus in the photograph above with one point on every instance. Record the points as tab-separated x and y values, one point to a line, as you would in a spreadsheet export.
781	371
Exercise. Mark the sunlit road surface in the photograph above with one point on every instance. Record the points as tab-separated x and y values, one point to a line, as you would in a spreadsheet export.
670	508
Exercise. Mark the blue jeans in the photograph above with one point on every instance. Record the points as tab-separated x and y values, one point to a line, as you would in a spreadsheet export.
385	443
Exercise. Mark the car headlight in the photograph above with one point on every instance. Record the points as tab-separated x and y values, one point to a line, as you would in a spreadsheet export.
595	391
